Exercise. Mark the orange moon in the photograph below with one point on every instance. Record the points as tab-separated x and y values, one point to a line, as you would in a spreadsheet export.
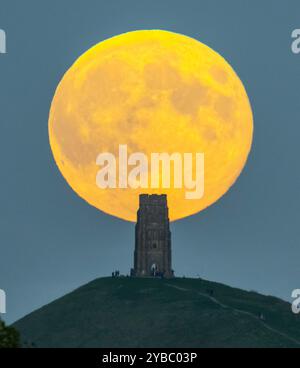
155	91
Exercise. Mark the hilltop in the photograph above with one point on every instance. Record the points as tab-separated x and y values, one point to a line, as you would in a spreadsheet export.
150	312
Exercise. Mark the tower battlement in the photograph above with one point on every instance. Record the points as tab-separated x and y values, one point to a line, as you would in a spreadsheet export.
153	199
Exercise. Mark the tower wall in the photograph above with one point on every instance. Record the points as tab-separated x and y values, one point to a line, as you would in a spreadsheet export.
152	254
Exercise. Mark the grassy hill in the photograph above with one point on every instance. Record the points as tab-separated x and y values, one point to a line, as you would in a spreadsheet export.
181	312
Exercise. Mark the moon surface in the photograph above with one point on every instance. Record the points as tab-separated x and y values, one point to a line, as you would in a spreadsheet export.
155	91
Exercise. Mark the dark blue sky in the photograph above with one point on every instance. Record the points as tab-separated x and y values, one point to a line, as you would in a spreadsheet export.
52	241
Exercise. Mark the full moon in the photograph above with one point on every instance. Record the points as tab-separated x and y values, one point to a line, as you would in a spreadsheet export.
154	91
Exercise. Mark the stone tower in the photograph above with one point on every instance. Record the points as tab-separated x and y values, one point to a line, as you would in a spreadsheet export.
152	255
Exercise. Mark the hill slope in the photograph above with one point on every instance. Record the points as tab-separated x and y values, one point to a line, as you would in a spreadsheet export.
182	312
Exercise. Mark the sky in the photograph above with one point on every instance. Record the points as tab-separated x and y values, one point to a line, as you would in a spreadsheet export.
52	241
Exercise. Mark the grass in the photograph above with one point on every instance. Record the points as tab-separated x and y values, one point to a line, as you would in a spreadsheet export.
147	312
